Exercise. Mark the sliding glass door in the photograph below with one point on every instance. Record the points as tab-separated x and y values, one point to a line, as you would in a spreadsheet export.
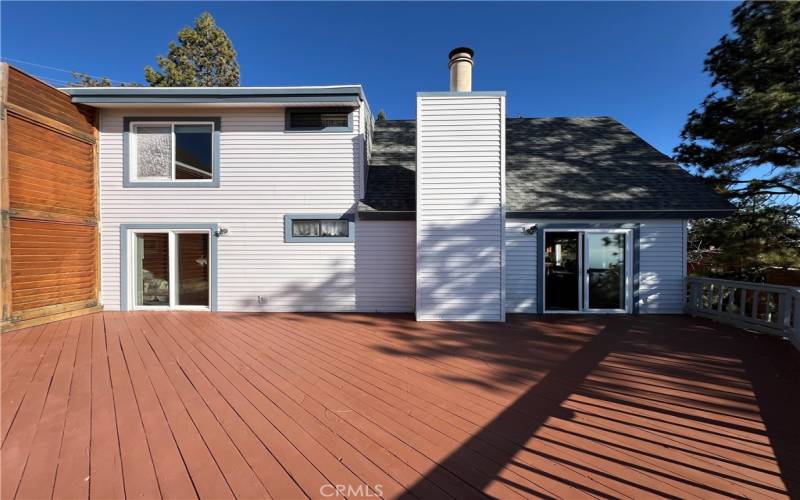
171	269
586	271
605	275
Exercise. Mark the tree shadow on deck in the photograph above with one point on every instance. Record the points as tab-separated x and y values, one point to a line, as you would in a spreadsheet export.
687	407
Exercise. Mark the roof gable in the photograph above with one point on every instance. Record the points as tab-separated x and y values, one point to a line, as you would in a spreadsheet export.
555	166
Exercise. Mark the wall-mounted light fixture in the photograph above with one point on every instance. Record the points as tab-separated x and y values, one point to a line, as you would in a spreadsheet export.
530	230
221	232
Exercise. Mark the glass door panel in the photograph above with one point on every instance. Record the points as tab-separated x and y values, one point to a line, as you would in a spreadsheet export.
152	269
562	271
605	270
192	269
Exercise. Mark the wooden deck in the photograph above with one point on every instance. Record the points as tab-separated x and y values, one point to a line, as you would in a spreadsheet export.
183	405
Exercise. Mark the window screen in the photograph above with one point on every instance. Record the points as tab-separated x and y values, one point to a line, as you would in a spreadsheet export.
310	120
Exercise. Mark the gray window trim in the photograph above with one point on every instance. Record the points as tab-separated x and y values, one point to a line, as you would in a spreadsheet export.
288	116
289	238
123	257
540	227
126	141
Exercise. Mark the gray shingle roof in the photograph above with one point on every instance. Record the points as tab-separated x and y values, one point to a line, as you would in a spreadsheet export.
554	165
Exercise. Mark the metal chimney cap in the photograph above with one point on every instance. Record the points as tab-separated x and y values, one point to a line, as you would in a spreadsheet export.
461	50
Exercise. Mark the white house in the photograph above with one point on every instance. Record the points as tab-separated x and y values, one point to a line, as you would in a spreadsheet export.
294	199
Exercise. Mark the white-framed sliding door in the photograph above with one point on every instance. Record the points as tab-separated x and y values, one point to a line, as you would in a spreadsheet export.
587	271
169	269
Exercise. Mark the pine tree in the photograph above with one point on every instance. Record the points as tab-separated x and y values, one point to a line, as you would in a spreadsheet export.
84	80
202	57
746	134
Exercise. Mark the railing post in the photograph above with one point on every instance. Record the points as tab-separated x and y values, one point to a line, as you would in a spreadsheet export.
743	302
784	310
693	295
796	326
754	312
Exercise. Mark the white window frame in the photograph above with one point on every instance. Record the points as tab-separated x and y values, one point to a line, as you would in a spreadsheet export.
172	247
583	285
133	170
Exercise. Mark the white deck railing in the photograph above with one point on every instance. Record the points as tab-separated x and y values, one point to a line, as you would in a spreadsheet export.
765	308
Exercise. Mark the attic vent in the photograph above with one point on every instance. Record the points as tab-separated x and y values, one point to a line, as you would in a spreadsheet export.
300	119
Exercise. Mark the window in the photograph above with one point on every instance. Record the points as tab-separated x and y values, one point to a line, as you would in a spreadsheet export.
168	152
309	228
326	120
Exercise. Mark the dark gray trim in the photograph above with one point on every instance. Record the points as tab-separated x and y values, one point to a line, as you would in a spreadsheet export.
215	167
123	257
635	264
346	94
496	93
289	238
384	215
607	215
620	214
354	100
287	117
635	234
214	91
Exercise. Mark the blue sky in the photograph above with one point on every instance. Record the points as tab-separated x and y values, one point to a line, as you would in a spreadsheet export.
638	62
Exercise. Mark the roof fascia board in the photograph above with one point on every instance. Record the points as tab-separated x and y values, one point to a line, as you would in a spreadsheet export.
350	100
214	91
621	214
397	215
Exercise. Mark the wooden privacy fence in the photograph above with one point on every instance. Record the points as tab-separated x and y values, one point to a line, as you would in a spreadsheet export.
765	308
48	199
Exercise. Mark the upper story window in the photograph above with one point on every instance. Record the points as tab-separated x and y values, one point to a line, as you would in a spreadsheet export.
320	120
171	152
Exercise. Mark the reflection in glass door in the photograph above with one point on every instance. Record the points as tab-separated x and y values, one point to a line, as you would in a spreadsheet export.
193	269
605	271
152	269
562	271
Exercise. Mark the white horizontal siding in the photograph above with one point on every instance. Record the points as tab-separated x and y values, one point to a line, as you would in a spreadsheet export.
460	196
520	267
662	265
265	174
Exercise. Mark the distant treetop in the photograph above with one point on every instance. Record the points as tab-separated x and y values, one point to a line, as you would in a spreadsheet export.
202	57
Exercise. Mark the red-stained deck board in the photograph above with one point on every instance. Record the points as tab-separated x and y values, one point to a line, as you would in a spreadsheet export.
209	420
261	412
72	474
203	468
105	472
181	404
40	470
381	406
290	397
18	442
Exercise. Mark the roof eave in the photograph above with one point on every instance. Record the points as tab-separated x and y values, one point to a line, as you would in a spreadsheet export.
333	95
703	213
